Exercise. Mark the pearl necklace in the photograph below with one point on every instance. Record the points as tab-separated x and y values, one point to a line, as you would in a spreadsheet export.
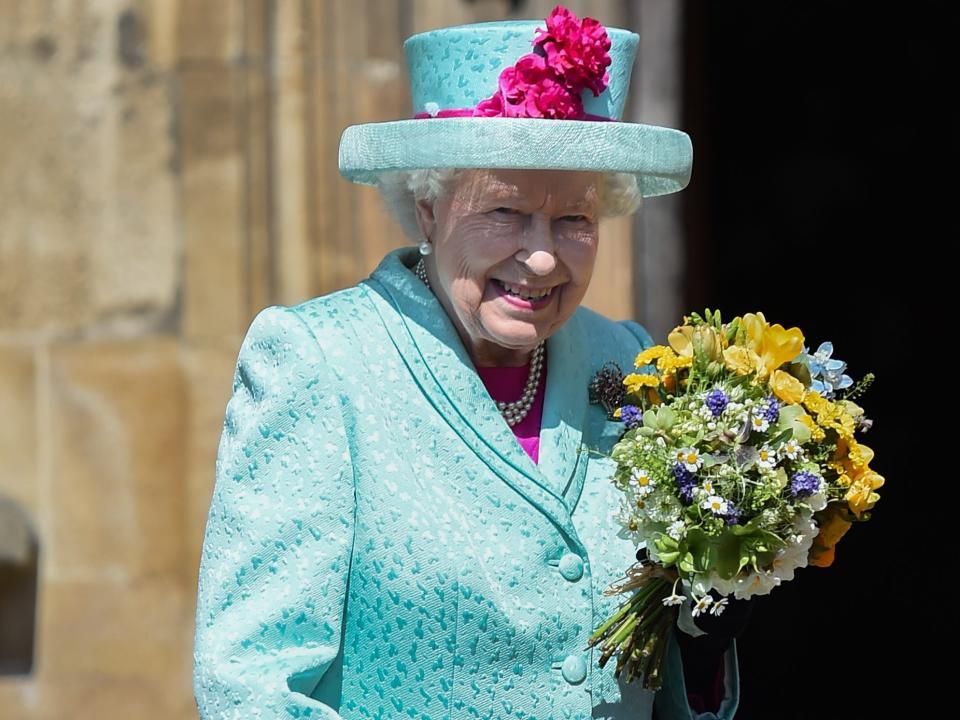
516	411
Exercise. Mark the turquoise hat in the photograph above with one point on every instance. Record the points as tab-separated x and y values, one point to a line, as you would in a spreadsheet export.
464	82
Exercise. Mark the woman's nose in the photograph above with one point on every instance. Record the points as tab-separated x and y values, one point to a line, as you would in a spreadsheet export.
539	251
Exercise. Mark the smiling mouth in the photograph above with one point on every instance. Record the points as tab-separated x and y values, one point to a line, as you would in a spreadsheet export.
519	292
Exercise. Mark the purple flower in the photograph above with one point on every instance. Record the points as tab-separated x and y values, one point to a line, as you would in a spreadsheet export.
631	416
717	401
772	413
732	516
685	481
804	483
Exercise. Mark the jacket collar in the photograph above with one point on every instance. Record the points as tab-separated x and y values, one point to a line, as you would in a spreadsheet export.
431	348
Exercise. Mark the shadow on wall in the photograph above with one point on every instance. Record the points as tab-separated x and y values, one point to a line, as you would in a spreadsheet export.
19	562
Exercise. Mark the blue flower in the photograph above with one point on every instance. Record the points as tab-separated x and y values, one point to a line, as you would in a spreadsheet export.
732	516
772	411
686	481
804	483
717	401
826	374
631	416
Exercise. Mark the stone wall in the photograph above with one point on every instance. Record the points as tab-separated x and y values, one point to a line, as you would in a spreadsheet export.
169	169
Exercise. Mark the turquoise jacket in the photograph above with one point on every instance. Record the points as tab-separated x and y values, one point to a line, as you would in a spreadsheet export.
379	545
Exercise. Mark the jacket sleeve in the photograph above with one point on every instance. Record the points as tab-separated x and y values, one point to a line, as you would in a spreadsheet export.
671	701
279	534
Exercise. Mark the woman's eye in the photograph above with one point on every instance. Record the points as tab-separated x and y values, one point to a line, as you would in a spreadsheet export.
576	218
511	211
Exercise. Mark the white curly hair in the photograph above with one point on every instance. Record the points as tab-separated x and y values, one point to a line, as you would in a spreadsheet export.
400	189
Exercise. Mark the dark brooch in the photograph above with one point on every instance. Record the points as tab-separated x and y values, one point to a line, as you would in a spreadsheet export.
606	388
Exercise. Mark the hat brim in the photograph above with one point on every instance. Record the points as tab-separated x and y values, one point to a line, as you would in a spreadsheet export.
660	157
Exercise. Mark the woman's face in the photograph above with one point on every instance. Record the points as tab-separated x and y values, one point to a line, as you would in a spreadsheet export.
502	234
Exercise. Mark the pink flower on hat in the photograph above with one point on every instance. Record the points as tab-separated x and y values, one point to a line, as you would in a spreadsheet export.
576	51
530	89
568	57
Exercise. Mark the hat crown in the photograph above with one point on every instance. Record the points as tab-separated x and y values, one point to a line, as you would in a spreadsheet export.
457	67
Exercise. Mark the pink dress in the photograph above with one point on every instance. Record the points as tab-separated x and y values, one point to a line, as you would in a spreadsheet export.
506	383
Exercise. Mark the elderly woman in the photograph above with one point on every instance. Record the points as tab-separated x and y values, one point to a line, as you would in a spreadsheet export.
413	513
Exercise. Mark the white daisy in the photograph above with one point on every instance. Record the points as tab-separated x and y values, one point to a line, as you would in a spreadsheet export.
715	503
758	423
673	598
642	482
767	457
707	486
719	606
690	457
792	449
677	530
701	605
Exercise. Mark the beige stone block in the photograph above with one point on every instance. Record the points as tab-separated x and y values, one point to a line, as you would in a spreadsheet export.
433	14
116	503
258	209
20	698
49	183
210	29
115	649
161	18
293	187
108	698
87	233
18	429
611	288
209	370
135	262
257	24
213	180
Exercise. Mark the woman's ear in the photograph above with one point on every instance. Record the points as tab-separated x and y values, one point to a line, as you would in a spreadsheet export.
425	217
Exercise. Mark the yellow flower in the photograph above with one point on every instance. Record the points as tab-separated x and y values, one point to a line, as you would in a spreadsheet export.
786	387
752	325
774	344
672	363
844	480
681	340
670	383
650	354
859	455
816	433
616	413
860	495
685	338
780	345
833	526
741	360
636	382
831	415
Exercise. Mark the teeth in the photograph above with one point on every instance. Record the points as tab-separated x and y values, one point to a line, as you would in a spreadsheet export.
517	290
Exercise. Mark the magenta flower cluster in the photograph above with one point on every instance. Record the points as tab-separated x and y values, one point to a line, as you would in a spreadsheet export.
569	56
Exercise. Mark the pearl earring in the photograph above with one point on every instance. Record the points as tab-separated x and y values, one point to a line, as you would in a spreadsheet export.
425	247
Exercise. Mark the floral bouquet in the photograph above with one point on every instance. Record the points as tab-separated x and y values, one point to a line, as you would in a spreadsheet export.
738	465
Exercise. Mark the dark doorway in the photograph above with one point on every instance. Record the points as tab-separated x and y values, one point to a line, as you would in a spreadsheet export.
823	148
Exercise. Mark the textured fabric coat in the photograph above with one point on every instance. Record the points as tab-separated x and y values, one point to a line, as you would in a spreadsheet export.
379	545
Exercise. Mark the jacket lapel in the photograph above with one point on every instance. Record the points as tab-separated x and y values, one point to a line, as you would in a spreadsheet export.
436	357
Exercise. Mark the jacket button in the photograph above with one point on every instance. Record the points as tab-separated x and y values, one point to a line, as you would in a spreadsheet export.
574	669
571	567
